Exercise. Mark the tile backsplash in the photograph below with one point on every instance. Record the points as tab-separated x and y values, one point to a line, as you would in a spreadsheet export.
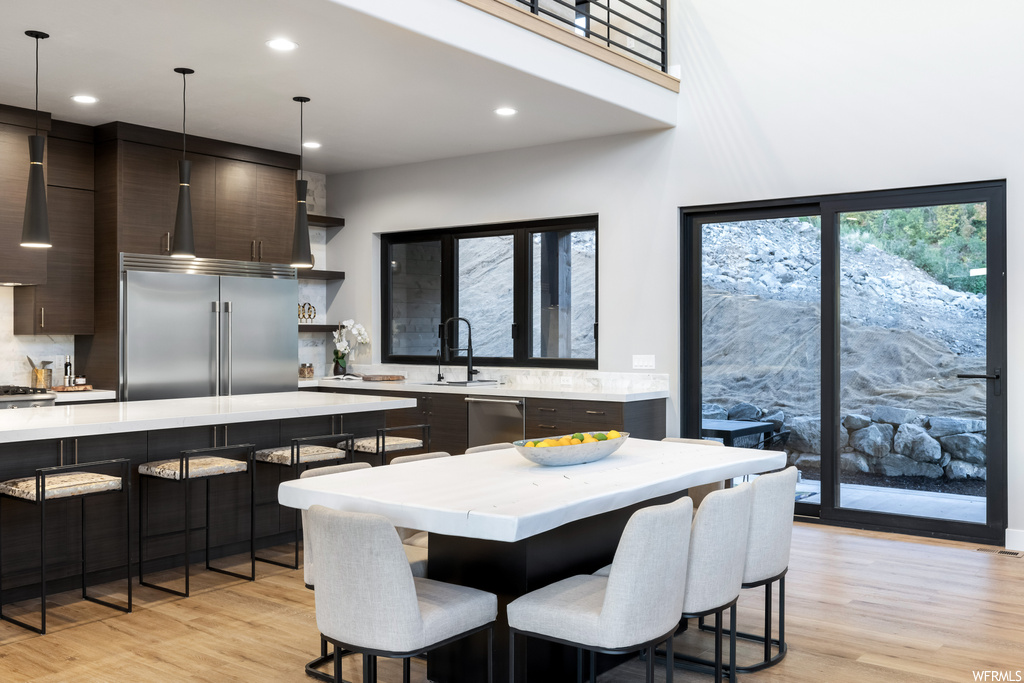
14	367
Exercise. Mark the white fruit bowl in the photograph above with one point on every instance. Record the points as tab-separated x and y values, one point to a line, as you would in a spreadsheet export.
576	454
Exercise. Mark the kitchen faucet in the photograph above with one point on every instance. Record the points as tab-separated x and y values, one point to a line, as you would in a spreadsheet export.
446	349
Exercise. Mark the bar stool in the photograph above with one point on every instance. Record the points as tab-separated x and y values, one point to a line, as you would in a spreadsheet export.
79	481
384	444
201	463
303	452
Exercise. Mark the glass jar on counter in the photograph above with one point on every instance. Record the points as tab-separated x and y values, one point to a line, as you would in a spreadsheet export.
306	371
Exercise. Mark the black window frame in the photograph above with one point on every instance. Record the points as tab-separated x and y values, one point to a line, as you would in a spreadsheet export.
522	232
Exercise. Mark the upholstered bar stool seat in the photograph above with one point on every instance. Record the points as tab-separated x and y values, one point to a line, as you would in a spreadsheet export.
384	443
197	468
61	485
308	454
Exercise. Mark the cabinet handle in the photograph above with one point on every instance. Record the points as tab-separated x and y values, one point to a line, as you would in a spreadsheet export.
595	412
252	251
548	426
62	452
261	251
548	410
42	317
76	451
167	236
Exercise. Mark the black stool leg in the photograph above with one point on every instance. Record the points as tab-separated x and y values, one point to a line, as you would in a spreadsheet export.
188	529
42	560
82	501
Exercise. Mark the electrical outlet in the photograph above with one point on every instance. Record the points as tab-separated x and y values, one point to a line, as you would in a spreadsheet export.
643	362
566	381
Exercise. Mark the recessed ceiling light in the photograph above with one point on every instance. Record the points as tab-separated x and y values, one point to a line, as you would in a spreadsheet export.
282	44
85	99
311	145
505	111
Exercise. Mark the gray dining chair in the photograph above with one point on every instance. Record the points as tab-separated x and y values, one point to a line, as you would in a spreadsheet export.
309	564
634	605
413	537
768	548
698	493
714	575
489	447
368	601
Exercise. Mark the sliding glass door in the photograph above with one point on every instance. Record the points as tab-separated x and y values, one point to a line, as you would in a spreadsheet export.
867	335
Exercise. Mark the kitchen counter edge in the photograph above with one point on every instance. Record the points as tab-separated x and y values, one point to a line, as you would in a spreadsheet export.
490	390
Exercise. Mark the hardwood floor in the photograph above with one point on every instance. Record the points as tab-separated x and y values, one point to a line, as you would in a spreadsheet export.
861	606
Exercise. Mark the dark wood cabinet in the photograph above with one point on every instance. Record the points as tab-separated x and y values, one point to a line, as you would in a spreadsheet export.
64	305
18	264
236	210
148	199
275	214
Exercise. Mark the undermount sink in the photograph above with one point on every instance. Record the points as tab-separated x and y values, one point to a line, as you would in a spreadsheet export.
460	383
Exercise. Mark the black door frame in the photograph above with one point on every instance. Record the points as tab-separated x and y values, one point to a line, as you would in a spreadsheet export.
829	207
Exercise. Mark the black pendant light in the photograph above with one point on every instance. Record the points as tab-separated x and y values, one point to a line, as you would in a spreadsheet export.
35	231
301	254
184	244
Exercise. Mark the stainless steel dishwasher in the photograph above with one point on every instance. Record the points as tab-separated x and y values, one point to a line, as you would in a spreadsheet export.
493	420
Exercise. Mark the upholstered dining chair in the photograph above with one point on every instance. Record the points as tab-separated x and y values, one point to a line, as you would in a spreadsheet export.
768	546
483	448
698	493
309	564
714	575
634	605
413	538
368	601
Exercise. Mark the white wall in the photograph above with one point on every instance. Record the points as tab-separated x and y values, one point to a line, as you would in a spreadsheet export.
779	99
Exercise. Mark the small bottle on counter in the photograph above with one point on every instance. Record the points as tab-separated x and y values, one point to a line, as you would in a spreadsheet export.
69	379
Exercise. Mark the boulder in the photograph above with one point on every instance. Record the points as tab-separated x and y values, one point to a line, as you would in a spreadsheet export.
946	457
844	437
914	442
709	411
958	469
792	457
894	416
853	462
777	419
805	434
809	460
853	422
946	426
888	432
895	465
871	440
744	411
967	447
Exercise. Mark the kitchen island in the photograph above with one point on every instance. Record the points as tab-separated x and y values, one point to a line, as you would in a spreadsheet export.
144	431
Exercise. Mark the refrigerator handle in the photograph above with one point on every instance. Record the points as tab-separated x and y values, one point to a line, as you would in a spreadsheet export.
227	311
216	341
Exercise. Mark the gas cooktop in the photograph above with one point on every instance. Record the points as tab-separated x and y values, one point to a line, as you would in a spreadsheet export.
11	390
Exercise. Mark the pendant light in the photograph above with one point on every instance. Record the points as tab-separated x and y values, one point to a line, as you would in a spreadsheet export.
301	254
35	231
184	244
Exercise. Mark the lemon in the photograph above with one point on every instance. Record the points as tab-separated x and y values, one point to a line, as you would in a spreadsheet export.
530	444
612	434
589	439
575	441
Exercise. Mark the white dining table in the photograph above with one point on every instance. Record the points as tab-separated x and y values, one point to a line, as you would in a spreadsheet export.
501	496
503	524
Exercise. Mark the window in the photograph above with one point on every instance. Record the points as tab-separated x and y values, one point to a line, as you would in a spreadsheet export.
528	289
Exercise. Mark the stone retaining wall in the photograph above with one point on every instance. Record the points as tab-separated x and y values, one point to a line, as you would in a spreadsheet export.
890	442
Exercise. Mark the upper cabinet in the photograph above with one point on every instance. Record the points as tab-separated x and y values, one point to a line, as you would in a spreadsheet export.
255	211
18	264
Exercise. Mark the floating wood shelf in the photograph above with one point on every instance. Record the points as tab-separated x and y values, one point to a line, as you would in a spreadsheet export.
321	274
325	221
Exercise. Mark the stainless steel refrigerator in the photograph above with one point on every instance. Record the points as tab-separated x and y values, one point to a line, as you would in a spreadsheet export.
206	328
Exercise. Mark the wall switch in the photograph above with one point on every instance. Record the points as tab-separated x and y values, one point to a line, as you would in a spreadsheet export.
643	362
566	381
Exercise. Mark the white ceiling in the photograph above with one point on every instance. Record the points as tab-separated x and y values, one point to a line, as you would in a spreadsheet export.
381	95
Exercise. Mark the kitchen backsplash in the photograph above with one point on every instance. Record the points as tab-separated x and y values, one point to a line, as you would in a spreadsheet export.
14	367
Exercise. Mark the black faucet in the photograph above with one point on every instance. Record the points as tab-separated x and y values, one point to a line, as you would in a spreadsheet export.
446	349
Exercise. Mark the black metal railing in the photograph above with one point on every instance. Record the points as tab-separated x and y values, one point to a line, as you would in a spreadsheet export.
637	27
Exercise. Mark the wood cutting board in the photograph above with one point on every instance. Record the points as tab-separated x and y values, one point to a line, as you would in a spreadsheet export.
77	387
382	378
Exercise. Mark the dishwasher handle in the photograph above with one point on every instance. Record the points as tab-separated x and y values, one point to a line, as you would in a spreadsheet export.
513	401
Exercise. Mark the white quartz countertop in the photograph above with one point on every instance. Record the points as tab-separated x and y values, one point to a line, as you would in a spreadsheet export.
501	496
619	394
68	421
63	397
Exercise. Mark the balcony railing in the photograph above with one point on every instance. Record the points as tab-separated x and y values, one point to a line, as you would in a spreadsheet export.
635	27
